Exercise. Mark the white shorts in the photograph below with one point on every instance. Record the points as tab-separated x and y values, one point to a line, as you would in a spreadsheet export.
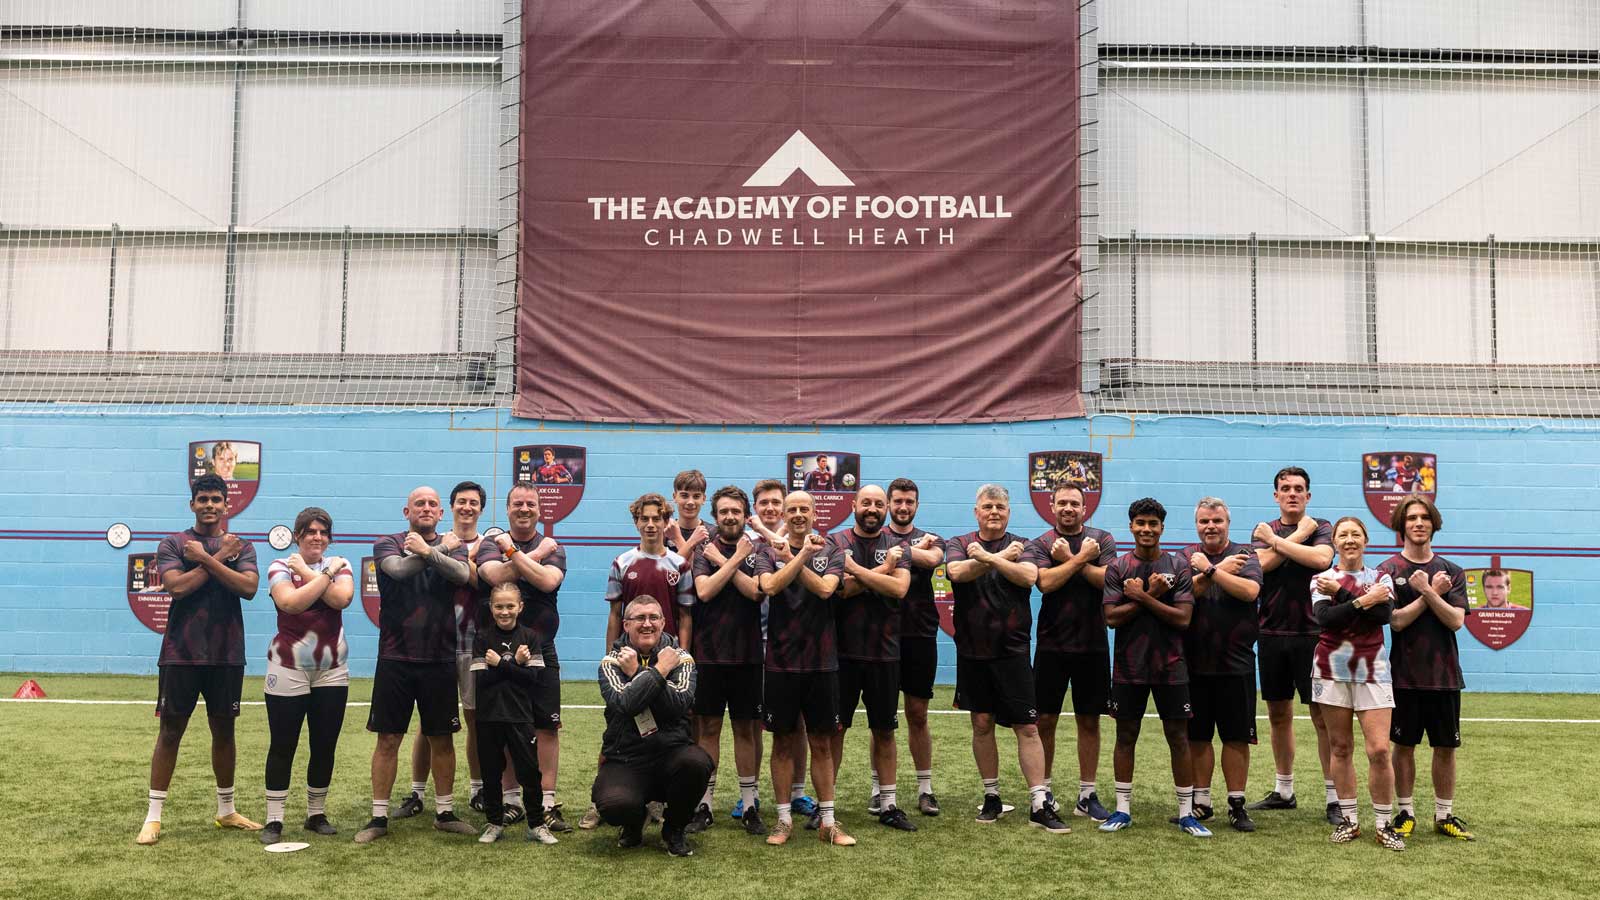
285	682
1352	694
465	682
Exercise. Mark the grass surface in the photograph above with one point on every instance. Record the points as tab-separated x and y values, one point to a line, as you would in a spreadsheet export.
74	795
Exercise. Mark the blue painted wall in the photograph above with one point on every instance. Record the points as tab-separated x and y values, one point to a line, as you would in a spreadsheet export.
63	605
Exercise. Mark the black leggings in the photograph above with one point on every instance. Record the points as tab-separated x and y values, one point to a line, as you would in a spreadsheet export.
324	708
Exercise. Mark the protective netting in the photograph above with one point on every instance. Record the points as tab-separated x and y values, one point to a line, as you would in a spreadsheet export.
254	202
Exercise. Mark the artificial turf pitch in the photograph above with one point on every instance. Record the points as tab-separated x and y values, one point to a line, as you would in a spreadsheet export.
73	797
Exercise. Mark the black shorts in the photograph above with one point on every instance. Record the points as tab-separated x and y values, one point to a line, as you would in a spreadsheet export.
545	697
179	687
1436	713
1088	674
1285	664
1128	701
786	696
1224	704
877	684
1002	687
397	685
734	688
919	663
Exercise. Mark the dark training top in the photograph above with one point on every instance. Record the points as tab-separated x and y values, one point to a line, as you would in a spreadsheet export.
539	610
1285	599
1149	651
727	627
416	615
993	617
1423	655
505	691
919	618
206	628
1071	618
800	626
1221	639
868	624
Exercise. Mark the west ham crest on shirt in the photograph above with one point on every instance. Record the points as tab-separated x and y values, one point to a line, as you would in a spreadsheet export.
236	462
369	587
879	555
1499	604
146	597
1387	476
559	471
831	478
1051	469
820	562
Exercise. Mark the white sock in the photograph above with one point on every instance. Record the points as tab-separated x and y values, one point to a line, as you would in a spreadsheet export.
1202	796
1049	784
797	790
876	787
1285	786
886	796
1405	805
1124	796
1235	795
224	801
1330	792
475	785
991	787
316	801
549	798
1185	800
420	788
1085	788
276	800
1442	808
511	797
747	792
157	798
443	803
826	808
924	781
784	815
380	809
1348	808
1036	797
711	792
1384	813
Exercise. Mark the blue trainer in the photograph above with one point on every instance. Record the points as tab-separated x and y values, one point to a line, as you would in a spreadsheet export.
803	806
1118	821
1190	825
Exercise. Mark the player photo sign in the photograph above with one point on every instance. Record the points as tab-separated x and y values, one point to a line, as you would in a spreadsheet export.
1499	604
370	599
146	597
1387	476
236	462
558	471
1051	469
831	478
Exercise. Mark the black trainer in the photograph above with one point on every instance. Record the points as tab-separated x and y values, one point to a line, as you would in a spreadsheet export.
1046	818
1335	815
1238	818
895	817
630	836
271	833
928	805
319	824
700	821
815	822
991	811
1203	811
1276	800
409	807
554	821
677	844
477	801
752	821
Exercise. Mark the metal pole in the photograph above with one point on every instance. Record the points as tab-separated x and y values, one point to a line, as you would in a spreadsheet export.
1371	256
1133	294
344	294
111	290
461	286
230	284
1255	252
1494	316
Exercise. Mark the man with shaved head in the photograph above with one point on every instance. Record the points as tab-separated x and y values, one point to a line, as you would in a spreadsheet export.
418	574
877	574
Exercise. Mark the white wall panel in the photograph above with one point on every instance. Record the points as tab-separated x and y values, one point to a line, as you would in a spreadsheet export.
1548	308
1433	309
53	296
1495	24
1222	155
170	295
402	16
1192	304
140	148
289	296
206	14
403	299
369	148
1236	22
1311	306
1463	158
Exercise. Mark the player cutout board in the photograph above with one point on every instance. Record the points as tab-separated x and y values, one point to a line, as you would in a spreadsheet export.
831	478
1051	469
369	587
1499	604
559	471
1387	476
236	462
149	601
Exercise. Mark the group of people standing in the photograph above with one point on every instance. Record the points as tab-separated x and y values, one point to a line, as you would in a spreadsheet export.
757	617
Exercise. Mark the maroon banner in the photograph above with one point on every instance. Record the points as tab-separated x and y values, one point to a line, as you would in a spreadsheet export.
236	462
1387	476
1499	604
799	212
831	479
1051	469
559	471
146	598
369	588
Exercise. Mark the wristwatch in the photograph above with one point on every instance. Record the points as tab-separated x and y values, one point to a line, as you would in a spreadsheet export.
1207	573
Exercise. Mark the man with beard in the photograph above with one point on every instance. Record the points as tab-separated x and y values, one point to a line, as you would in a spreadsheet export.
1219	647
802	664
877	574
1072	650
418	573
992	576
919	630
537	565
728	647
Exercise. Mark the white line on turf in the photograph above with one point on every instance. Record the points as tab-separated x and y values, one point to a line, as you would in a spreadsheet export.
935	712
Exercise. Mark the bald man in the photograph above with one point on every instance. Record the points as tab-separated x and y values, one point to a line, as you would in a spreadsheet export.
418	574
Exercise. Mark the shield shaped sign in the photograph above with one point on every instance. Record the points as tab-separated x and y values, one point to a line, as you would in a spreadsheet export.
831	478
148	600
1499	604
559	472
369	587
236	462
1389	475
1051	469
944	601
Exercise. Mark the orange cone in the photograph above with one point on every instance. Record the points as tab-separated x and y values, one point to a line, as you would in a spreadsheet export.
30	690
